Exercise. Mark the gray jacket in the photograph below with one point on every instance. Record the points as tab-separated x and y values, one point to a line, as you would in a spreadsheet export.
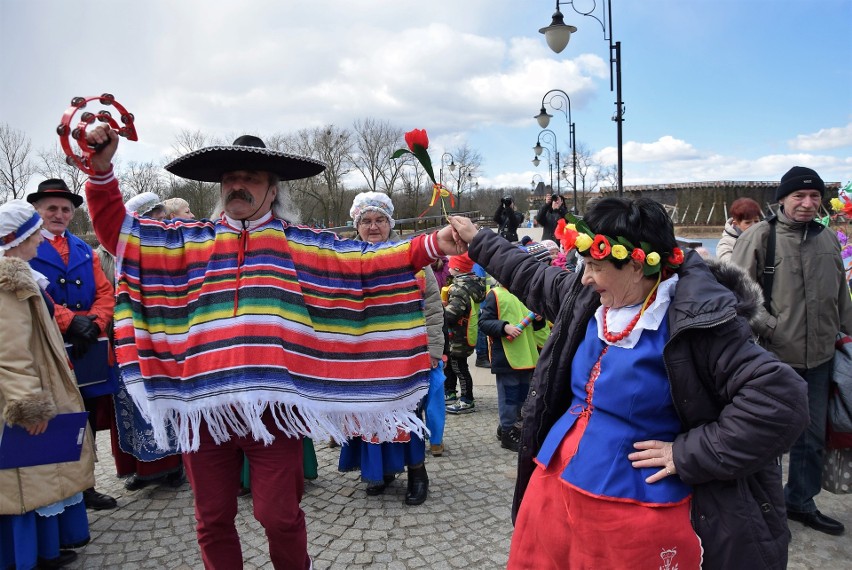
810	296
741	408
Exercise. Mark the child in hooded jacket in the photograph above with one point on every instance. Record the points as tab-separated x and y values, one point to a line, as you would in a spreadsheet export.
461	314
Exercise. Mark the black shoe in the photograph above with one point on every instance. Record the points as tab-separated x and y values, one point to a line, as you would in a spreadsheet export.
418	486
134	483
499	433
511	439
483	363
818	521
65	558
175	479
374	490
80	544
98	501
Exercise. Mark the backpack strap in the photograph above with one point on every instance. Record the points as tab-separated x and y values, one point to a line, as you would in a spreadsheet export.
769	263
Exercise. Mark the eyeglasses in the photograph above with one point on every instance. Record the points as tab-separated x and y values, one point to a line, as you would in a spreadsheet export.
378	222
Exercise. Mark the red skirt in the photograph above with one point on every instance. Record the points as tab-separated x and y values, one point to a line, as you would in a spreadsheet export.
561	527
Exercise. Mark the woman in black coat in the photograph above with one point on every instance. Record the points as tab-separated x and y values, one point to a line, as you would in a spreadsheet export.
652	411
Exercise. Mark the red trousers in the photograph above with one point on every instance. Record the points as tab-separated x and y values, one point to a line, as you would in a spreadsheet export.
277	484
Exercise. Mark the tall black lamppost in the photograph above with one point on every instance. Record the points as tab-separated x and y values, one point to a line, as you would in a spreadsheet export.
543	119
558	34
451	166
536	161
538	148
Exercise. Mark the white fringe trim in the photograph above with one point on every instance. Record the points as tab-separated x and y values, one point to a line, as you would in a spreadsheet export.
242	416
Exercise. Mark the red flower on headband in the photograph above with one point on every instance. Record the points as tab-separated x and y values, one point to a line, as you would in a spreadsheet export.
638	255
417	137
600	247
676	258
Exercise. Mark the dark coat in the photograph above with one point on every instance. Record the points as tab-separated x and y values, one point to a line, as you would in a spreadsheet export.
740	407
548	218
508	220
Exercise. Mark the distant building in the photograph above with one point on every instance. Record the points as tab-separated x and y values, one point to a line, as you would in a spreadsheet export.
707	203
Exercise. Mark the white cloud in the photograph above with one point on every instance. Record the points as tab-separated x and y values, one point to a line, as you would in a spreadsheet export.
666	148
824	139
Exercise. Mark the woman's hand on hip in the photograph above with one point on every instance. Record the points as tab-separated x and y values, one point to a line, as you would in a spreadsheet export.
654	453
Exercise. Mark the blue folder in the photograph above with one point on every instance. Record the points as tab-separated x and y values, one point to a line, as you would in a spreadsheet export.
93	367
61	442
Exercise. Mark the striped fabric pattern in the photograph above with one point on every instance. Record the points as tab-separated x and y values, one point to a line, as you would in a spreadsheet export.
221	324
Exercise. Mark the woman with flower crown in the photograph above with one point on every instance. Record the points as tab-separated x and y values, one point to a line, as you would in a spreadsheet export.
654	425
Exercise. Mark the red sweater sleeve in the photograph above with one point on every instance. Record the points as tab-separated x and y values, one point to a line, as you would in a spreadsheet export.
424	250
106	208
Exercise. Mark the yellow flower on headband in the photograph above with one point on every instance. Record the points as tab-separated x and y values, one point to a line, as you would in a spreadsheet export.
583	242
574	226
652	258
619	251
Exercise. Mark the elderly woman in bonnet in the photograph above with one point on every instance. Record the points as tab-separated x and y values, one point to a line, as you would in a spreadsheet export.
372	215
42	513
147	204
654	424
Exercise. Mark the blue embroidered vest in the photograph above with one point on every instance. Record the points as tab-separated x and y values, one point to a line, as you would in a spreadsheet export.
72	286
631	402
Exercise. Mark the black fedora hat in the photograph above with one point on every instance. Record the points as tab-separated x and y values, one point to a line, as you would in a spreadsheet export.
246	153
54	188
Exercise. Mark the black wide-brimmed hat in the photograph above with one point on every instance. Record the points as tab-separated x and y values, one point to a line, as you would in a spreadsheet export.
54	188
246	153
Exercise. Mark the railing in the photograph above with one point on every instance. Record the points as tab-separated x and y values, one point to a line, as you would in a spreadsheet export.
411	227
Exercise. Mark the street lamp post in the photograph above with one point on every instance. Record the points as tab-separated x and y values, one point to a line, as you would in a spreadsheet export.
538	148
558	34
451	166
543	119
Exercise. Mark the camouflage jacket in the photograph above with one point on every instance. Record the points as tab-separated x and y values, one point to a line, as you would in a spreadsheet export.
462	312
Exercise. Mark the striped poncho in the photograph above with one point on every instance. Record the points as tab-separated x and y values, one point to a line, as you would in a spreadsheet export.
222	324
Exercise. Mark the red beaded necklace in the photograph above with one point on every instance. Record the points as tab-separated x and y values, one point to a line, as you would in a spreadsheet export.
614	338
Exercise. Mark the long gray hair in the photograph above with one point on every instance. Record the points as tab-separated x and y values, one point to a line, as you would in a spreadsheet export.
283	206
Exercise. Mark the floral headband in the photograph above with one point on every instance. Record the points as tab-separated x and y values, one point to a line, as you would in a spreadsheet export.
576	233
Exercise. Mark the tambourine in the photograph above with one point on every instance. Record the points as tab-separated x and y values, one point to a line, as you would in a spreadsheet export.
78	133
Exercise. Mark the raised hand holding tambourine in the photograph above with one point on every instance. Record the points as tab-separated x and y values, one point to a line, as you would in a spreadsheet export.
67	130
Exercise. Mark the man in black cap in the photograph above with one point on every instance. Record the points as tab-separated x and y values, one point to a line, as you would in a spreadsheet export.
84	297
808	303
245	332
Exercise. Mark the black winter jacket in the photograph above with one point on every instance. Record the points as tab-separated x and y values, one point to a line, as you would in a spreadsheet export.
548	218
741	408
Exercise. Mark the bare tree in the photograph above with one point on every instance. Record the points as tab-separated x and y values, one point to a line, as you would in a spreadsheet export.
374	143
588	170
461	181
53	164
322	199
138	177
15	165
200	195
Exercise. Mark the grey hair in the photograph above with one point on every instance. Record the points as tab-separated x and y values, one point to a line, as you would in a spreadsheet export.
283	206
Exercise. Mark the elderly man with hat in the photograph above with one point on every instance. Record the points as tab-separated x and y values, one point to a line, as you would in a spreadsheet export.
807	304
246	333
84	297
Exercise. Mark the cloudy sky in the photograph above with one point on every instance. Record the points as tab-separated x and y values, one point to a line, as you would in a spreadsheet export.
714	89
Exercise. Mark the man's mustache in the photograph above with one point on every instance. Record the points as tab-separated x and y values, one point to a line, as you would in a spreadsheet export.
241	195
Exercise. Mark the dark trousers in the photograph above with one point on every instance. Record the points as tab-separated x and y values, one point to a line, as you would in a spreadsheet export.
804	477
459	372
512	389
277	484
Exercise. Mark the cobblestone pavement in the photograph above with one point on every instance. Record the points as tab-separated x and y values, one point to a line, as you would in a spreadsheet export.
465	523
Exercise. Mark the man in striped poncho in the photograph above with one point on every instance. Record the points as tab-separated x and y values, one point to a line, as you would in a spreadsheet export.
246	333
